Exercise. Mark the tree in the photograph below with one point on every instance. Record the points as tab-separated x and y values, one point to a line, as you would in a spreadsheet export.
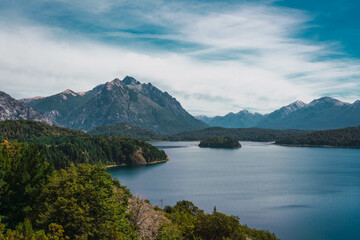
86	201
218	226
24	172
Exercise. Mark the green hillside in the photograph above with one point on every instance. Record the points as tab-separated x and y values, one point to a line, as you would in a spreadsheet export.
64	146
84	202
124	130
346	137
10	129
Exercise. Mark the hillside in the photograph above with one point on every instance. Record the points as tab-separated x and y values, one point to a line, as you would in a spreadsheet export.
128	101
64	146
346	137
124	130
11	109
10	130
241	134
52	204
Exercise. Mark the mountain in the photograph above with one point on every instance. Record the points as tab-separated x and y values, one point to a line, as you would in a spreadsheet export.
204	118
270	119
320	114
346	137
242	119
127	101
11	109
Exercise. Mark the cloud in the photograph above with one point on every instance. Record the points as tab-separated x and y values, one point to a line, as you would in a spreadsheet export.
216	57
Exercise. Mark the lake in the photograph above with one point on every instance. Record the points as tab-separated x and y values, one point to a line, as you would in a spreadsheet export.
299	193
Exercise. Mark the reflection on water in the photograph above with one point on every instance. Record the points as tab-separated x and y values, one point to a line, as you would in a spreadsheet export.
298	193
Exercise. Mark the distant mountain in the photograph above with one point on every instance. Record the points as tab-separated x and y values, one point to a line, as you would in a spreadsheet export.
242	119
124	130
269	120
127	101
11	109
320	114
204	118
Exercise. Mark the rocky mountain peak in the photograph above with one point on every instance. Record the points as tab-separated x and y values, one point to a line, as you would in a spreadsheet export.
294	106
28	100
243	112
130	81
69	92
327	100
114	83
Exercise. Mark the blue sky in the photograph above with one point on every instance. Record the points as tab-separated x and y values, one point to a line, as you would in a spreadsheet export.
213	56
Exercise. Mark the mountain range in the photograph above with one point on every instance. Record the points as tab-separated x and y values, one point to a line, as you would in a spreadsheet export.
319	114
127	101
141	105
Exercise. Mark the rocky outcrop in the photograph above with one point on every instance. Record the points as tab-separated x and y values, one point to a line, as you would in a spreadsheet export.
11	109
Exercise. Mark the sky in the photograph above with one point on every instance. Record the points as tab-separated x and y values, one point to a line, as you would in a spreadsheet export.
213	56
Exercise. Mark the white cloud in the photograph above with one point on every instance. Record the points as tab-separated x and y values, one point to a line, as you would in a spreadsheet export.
271	67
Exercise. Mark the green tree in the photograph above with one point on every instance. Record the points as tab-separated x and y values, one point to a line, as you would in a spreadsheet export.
24	172
86	201
218	226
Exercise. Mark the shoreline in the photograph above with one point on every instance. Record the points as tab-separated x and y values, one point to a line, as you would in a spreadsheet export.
124	165
321	146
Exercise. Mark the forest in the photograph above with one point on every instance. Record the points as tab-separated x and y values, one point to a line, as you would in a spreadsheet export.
63	146
220	142
240	134
346	137
83	201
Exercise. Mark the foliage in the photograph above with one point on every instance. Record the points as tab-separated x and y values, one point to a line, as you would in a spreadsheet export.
82	201
190	222
220	142
241	134
256	234
346	137
124	130
19	129
218	226
24	172
64	146
61	151
87	203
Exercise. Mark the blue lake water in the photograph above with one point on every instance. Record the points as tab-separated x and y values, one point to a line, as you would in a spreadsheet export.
297	193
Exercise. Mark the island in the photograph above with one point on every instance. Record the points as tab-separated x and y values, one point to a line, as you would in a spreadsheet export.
220	142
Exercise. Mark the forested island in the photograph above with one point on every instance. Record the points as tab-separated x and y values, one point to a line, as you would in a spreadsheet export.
220	142
54	185
346	137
